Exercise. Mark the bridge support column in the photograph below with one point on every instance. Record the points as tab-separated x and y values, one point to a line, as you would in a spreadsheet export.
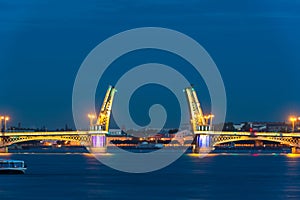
203	144
295	150
3	150
98	143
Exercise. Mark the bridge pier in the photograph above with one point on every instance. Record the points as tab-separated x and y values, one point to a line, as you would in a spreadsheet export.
203	144
295	150
98	143
3	150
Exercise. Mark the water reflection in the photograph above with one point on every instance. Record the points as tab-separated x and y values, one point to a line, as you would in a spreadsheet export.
228	176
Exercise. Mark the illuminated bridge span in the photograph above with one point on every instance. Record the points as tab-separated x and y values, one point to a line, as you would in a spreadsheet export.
76	136
206	138
201	125
216	138
92	139
95	139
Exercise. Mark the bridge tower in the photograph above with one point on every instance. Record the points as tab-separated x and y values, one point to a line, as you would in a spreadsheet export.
198	121
99	130
102	123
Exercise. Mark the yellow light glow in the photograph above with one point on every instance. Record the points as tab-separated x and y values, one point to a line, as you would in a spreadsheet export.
6	118
209	116
199	155
88	155
91	116
291	155
293	119
5	154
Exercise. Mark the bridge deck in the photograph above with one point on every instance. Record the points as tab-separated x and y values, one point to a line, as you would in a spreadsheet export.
11	134
266	134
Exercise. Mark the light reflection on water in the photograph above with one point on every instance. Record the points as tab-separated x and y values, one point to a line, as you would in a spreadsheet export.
217	176
4	155
291	155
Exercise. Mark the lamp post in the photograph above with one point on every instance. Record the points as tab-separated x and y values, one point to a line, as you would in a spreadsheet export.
293	120
91	117
4	120
206	117
209	119
1	121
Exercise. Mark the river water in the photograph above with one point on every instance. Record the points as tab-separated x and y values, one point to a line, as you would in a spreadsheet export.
218	176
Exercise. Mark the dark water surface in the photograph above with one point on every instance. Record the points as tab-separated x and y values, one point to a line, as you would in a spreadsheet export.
81	176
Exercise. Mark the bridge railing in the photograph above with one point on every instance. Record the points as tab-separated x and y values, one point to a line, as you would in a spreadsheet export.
45	133
265	134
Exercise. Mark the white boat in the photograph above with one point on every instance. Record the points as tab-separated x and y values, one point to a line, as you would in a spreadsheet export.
12	167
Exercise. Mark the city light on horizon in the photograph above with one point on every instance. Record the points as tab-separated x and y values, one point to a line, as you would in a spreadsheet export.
4	118
150	100
293	119
91	117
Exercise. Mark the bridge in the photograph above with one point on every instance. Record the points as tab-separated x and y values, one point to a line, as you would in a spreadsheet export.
95	139
12	138
213	138
206	138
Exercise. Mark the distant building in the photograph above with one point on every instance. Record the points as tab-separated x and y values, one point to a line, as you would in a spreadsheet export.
259	126
278	127
263	126
238	127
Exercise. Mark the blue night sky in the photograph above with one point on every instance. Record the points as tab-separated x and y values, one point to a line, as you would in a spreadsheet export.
255	44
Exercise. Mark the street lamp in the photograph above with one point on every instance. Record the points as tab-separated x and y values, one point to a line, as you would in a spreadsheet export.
91	117
4	119
206	117
293	120
209	119
1	121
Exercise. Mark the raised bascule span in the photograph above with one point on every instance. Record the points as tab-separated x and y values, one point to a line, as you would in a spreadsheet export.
199	122
94	139
197	119
205	138
98	131
104	114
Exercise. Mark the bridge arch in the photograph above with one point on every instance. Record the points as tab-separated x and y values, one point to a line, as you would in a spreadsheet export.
293	142
83	139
